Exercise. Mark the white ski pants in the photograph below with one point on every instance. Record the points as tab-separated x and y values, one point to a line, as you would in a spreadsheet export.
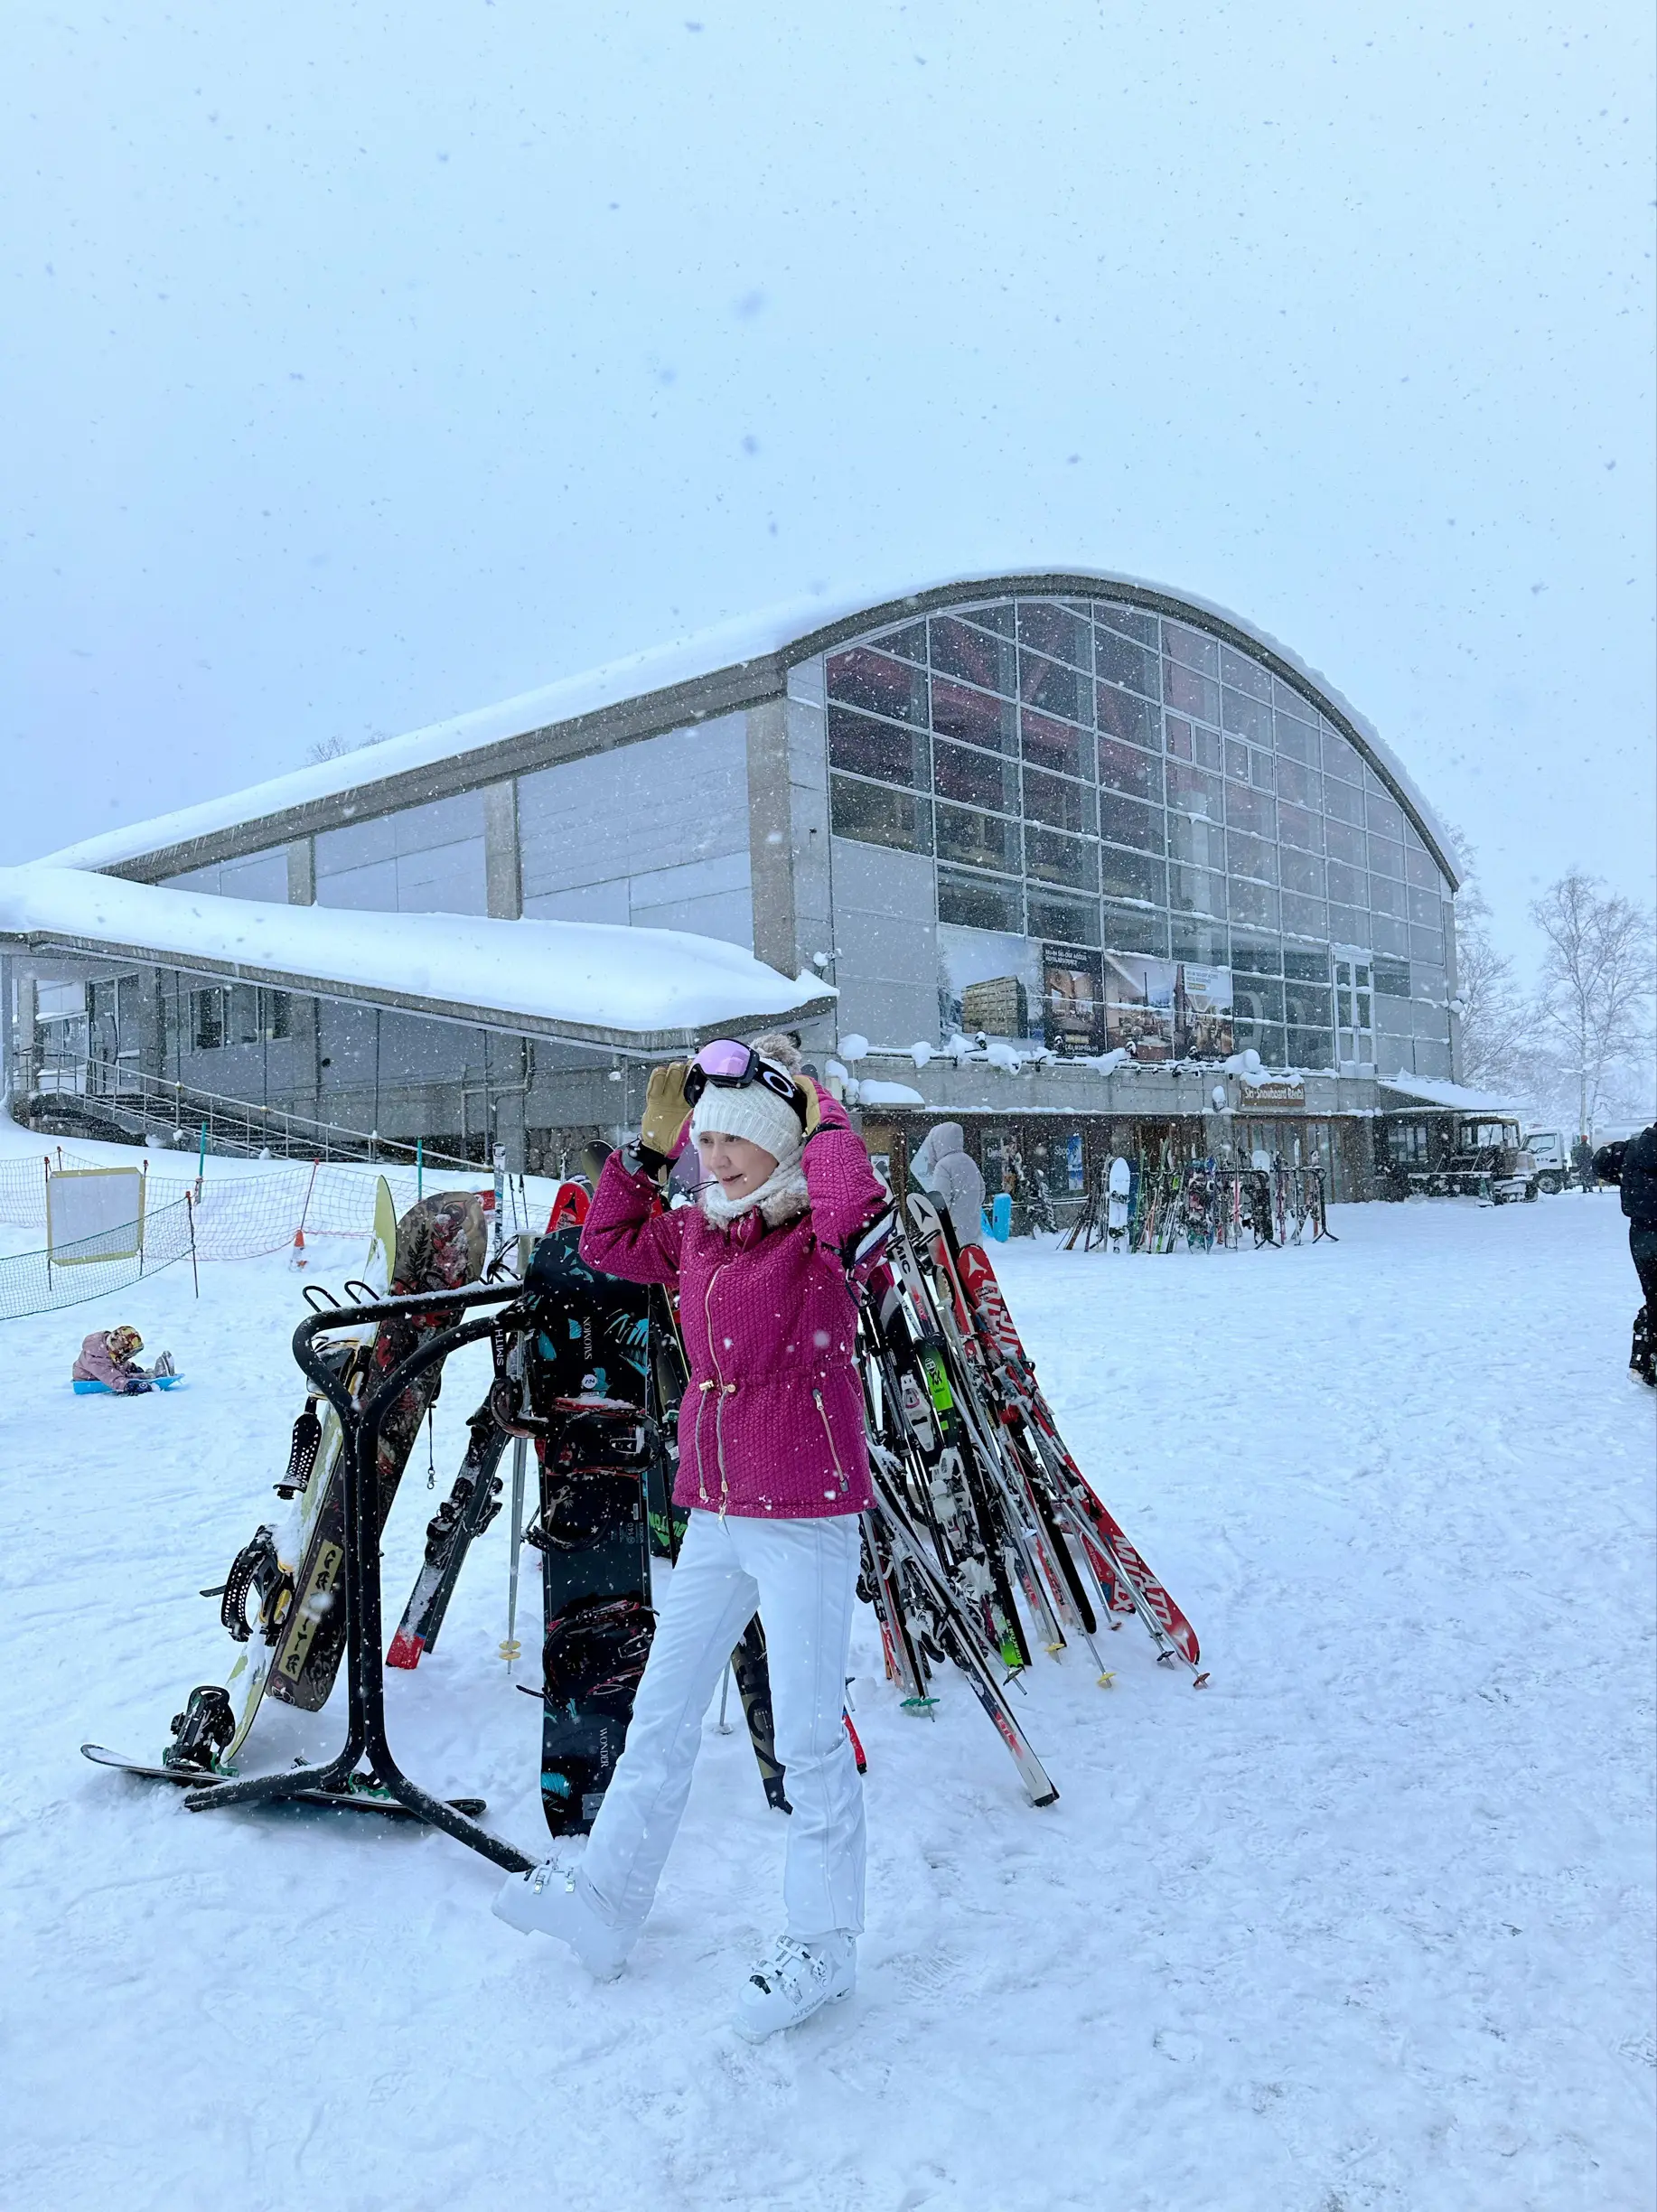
801	1577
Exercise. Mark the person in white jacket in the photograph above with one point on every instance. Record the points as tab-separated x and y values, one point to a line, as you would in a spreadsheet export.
944	1166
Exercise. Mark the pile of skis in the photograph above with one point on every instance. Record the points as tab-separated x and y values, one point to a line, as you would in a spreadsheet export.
1205	1205
986	1539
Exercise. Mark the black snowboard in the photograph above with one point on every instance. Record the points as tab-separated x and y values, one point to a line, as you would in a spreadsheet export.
587	1371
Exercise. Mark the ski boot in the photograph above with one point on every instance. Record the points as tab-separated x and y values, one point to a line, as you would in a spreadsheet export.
797	1980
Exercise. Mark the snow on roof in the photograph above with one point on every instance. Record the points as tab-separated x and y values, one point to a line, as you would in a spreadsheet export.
1429	1091
633	990
789	632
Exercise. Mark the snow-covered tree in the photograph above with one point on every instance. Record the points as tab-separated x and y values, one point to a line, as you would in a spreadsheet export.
1594	1011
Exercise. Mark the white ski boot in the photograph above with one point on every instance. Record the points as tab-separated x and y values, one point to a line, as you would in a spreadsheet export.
797	1980
546	1902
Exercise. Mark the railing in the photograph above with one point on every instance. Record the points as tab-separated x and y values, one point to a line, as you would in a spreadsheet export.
236	1126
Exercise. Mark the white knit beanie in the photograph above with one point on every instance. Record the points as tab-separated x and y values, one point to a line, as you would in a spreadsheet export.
752	1111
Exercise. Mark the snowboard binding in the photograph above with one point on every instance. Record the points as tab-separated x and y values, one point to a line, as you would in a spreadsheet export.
201	1732
302	1453
595	1655
583	1509
256	1570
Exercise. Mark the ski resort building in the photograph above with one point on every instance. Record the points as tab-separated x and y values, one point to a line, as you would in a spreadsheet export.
1090	865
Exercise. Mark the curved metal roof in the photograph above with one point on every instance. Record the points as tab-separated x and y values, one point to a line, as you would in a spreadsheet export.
738	664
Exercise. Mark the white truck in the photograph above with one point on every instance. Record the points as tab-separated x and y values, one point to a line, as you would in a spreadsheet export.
1551	1155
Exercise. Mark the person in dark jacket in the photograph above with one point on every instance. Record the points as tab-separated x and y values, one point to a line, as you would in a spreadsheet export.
1633	1167
1582	1162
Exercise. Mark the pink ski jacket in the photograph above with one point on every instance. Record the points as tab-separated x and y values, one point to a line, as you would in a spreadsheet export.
772	1423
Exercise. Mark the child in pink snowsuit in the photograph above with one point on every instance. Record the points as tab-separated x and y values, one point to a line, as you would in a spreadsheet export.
773	1468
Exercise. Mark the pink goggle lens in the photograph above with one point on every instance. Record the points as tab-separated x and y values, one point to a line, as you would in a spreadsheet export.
723	1057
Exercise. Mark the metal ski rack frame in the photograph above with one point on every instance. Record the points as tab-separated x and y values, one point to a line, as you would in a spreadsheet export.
364	1657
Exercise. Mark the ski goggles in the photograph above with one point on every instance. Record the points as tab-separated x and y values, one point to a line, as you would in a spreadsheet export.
731	1066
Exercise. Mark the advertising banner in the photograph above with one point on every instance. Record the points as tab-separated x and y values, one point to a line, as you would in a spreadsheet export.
1160	1009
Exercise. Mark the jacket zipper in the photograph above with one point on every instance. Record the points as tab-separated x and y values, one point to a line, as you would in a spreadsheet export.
724	1390
828	1432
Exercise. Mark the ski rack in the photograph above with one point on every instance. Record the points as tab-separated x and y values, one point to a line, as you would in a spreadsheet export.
364	1658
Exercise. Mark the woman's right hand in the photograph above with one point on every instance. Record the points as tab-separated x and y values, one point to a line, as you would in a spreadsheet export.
665	1110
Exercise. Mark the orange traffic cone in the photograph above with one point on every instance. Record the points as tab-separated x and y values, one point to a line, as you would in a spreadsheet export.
297	1257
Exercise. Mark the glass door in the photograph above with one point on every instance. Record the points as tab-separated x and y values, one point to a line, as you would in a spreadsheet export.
1354	1012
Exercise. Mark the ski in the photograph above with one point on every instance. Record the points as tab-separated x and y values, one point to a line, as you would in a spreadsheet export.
470	1505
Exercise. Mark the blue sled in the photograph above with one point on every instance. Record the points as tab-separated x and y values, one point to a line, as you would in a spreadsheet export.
88	1389
999	1220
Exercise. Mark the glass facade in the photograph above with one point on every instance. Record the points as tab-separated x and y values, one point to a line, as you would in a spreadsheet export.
1092	773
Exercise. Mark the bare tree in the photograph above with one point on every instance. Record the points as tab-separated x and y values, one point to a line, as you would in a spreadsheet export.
1495	1022
1593	1014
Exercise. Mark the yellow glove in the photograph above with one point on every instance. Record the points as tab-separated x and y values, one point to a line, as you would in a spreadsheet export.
814	1104
665	1109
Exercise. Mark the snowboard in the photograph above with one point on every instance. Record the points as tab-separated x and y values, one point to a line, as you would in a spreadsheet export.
285	1582
586	1374
85	1386
367	1798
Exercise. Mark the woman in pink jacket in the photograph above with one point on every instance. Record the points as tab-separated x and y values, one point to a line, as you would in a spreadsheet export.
773	1468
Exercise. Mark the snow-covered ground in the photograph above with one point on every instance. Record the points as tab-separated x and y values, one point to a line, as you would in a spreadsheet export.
1367	1923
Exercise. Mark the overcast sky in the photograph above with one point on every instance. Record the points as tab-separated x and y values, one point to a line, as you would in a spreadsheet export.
364	365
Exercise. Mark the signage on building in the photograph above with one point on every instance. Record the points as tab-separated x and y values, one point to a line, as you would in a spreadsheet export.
1276	1094
1163	1010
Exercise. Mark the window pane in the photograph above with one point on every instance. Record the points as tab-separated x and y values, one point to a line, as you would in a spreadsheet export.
980	840
1305	916
908	643
878	749
1057	745
1245	716
960	650
1134	875
878	815
1129	621
1300	785
1427	945
1389	934
1124	768
1126	822
1251	855
1385	896
1309	1004
1424	907
1307	967
1421	868
1341	759
1255	811
1342	801
1121	663
1256	997
1066	921
1121	715
1392	978
1052	629
977	779
1301	871
1384	816
1054	687
1263	771
1192	647
974	716
1386	858
1196	890
1297	828
1295	740
1311	1048
1207	747
1178	735
1253	902
976	904
1062	859
1056	800
887	687
1257	955
1345	843
1244	675
1347	926
1348	885
1201	941
1190	693
1134	929
1194	792
1200	842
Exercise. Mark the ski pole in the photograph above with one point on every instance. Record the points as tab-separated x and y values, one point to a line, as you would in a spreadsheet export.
724	1691
511	1648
